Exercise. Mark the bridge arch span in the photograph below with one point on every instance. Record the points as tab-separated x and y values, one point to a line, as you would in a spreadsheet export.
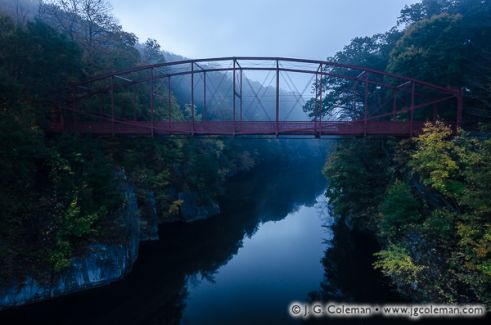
342	100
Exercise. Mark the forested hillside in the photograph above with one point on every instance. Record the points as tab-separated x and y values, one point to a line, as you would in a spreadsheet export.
428	200
60	192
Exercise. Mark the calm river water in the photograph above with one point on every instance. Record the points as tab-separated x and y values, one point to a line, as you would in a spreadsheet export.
273	243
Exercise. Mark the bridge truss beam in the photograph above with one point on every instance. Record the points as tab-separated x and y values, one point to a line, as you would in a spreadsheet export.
406	96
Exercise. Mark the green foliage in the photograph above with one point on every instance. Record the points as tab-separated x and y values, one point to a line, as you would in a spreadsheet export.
439	210
450	214
441	224
152	53
372	52
434	160
399	209
357	176
59	192
75	223
396	262
422	10
54	192
73	227
60	255
450	41
37	61
459	168
474	157
432	50
150	166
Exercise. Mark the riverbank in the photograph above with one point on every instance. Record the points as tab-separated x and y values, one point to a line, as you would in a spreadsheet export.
104	260
156	289
427	201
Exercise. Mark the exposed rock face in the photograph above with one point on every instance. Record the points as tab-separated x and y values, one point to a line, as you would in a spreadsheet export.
101	265
192	211
106	263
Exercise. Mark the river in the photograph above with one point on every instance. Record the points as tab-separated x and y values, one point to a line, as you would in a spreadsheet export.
274	242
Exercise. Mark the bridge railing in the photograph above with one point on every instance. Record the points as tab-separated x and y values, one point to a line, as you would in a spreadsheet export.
140	100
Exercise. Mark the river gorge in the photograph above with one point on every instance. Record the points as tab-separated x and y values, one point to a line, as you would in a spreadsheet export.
273	243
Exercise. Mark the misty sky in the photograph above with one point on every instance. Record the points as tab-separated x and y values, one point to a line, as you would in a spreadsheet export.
311	29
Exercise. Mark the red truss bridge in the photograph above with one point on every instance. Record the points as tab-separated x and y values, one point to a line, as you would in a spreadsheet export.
215	97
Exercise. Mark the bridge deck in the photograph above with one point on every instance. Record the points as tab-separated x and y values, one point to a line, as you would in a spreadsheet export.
372	95
231	128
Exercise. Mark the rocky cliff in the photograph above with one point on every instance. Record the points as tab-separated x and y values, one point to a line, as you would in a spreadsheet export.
102	263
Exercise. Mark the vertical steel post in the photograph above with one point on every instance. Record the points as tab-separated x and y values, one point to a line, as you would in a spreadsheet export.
320	100
365	118
460	107
204	96
316	102
411	117
241	97
134	106
233	100
152	97
277	96
169	101
192	96
394	103
112	105
355	87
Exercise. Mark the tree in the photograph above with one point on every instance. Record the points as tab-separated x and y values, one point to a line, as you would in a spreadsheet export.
447	42
396	262
459	169
434	158
432	50
90	23
55	191
442	198
81	19
357	174
425	9
399	209
152	53
372	52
